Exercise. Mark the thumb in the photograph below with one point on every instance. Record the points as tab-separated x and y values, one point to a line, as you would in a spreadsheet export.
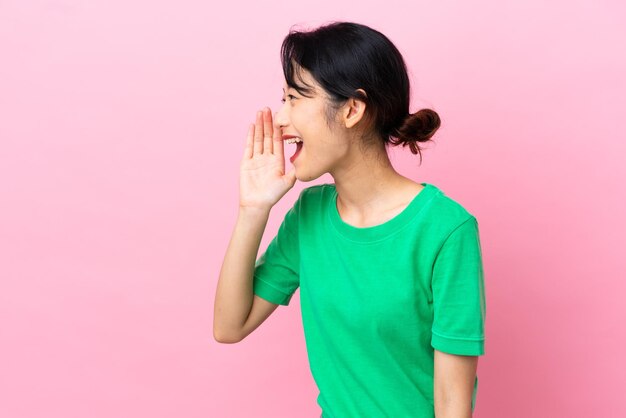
291	177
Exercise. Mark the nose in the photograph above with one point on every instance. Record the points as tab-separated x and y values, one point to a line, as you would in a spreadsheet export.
281	117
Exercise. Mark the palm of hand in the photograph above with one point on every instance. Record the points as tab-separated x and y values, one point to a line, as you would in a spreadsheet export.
262	173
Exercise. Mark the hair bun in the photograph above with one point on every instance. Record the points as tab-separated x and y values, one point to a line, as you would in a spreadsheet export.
416	127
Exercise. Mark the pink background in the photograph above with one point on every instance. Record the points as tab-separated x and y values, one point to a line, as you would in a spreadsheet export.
122	124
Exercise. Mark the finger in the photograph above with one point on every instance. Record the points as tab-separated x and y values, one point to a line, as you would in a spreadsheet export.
291	176
258	133
247	153
267	131
279	146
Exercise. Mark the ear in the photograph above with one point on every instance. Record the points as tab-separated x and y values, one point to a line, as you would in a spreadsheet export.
354	110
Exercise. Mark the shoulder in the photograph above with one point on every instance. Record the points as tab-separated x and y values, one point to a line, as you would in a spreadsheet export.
317	193
447	214
313	199
450	207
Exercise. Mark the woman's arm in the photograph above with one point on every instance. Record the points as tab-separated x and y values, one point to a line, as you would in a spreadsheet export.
262	183
234	296
454	384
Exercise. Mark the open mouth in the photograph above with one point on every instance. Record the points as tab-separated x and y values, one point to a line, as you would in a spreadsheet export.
292	139
298	149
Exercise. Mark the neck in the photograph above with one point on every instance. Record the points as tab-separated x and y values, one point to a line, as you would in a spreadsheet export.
367	182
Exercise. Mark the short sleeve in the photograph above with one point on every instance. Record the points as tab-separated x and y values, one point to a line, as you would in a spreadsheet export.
276	272
459	305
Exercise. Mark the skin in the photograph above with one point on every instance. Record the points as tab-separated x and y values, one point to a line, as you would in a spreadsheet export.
370	192
454	384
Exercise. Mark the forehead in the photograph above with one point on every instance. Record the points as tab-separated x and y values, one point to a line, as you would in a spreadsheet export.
302	77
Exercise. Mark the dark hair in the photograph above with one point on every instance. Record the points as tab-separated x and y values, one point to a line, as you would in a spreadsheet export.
343	57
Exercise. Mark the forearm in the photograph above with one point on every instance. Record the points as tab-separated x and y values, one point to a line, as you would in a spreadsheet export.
234	294
454	408
454	380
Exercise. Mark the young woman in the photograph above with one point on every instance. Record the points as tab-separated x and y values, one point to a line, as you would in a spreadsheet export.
389	270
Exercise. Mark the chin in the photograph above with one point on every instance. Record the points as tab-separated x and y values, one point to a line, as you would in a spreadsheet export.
307	177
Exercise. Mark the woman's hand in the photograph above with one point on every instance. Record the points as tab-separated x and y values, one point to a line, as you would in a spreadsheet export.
262	180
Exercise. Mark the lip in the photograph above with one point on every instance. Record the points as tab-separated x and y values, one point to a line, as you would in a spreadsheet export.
285	137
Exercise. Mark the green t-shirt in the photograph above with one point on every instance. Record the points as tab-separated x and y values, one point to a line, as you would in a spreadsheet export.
377	301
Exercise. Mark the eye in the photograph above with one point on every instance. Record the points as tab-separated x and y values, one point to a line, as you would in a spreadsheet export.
291	97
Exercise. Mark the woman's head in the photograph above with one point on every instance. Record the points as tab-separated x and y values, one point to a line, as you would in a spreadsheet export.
355	65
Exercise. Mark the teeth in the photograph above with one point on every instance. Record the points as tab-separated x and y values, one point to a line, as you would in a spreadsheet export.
293	140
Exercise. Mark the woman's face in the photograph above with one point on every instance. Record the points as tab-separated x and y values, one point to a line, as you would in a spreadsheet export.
323	147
